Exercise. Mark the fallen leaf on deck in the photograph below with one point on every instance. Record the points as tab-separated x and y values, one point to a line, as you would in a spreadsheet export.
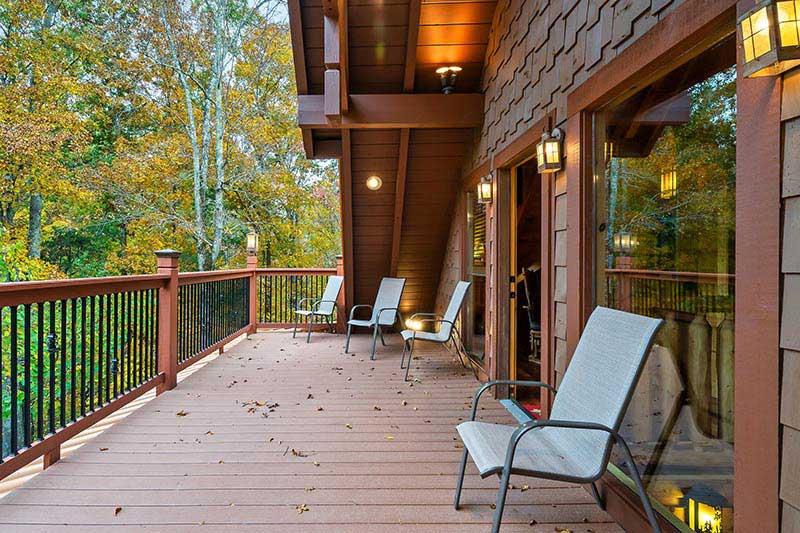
209	432
117	511
404	403
562	530
298	453
310	397
349	426
302	508
524	488
309	489
316	463
181	413
389	437
103	449
377	408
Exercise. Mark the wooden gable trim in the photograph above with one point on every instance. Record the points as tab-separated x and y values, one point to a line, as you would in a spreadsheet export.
298	48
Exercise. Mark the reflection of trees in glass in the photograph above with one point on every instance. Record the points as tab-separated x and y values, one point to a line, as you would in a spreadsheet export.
693	230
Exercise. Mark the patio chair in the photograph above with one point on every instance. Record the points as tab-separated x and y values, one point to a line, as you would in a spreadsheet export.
446	327
322	307
384	313
575	444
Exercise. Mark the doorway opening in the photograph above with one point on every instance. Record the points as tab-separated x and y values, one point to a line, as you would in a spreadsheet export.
526	283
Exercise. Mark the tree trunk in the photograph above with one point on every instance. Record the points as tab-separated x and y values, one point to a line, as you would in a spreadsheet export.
35	227
220	53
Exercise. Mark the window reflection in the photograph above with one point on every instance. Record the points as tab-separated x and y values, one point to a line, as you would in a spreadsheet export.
665	205
476	273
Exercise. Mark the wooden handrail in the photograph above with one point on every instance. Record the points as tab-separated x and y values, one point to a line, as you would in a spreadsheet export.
28	292
296	271
670	275
189	278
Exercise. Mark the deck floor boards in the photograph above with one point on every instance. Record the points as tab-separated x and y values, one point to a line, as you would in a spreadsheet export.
276	423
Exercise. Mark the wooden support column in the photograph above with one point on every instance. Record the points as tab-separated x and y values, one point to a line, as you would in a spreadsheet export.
341	316
252	265
399	198
168	320
334	20
346	188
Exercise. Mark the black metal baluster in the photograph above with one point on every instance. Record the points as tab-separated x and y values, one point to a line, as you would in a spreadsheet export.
2	387
136	342
115	374
26	370
101	348
62	366
52	347
14	382
73	359
40	373
107	380
83	356
156	326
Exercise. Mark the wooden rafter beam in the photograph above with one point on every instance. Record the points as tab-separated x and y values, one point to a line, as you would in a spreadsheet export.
298	48
344	63
308	144
399	198
411	45
384	111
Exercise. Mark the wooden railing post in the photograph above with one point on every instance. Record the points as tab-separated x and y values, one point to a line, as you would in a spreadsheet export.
341	312
168	320
252	265
624	284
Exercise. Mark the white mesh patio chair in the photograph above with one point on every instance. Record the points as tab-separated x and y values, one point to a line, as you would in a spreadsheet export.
445	325
385	312
575	444
322	307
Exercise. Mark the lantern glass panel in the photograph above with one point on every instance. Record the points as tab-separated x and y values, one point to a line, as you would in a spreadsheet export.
755	34
788	24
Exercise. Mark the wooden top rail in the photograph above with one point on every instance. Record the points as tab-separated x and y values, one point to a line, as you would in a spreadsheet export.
669	275
28	292
190	278
295	271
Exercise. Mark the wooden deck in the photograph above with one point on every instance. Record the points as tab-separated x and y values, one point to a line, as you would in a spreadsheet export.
280	435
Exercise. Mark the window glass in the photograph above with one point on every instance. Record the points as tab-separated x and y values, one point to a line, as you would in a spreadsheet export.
665	206
476	273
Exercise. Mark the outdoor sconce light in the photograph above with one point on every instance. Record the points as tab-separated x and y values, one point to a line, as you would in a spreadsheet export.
252	242
669	184
374	183
448	75
548	152
485	190
770	36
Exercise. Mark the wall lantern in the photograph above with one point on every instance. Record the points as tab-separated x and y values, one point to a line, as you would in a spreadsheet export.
448	76
770	36
669	184
252	242
704	509
548	152
485	190
374	183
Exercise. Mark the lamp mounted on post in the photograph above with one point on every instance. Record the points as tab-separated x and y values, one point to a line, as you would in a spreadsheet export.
770	37
252	242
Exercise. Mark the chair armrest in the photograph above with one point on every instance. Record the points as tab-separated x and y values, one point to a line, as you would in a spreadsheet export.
415	315
382	310
300	304
437	320
489	384
353	309
316	305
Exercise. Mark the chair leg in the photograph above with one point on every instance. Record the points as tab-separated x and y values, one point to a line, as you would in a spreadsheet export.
375	330
403	355
296	320
347	342
501	501
310	323
382	341
410	353
460	483
648	508
596	495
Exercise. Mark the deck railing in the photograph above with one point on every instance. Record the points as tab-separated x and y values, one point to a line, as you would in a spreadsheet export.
74	351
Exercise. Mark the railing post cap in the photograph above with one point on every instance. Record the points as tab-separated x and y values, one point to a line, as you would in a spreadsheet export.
168	252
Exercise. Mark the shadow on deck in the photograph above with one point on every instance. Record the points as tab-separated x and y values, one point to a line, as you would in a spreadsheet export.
280	435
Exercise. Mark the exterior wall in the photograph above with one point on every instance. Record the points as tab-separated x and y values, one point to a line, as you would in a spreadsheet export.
790	323
452	266
539	52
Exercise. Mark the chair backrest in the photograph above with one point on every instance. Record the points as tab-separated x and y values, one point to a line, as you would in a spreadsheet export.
453	308
331	293
601	377
388	297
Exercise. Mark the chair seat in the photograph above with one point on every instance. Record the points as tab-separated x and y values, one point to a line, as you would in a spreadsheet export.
407	334
303	312
361	323
544	452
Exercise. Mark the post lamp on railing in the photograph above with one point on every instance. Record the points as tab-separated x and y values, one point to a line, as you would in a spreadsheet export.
252	265
770	37
669	184
252	242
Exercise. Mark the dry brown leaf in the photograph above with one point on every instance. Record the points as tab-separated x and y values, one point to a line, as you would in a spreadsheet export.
349	426
302	508
299	453
388	437
524	488
103	449
182	413
117	511
309	489
316	463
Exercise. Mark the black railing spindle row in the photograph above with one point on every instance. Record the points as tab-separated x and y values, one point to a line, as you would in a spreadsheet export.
279	295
